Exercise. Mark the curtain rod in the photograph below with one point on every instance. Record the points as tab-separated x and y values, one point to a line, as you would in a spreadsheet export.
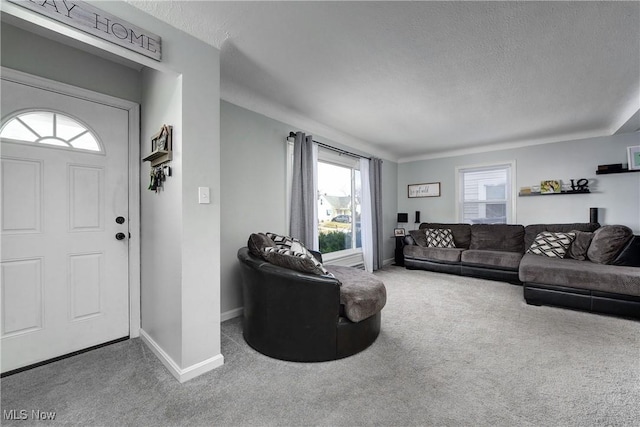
329	147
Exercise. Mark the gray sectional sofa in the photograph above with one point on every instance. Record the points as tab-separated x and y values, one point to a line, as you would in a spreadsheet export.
600	271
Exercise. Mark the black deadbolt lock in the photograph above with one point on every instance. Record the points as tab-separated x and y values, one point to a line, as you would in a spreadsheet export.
120	220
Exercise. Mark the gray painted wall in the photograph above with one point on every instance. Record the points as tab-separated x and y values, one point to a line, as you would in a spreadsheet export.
182	307
617	196
33	54
253	172
161	248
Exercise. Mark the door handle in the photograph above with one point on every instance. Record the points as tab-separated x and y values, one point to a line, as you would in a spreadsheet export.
120	236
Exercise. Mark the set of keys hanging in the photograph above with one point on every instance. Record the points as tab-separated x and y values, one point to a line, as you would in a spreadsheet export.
158	175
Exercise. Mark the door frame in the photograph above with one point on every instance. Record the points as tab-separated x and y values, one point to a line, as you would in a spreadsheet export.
133	112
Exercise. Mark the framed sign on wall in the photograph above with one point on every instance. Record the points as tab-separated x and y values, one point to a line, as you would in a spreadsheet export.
633	153
431	189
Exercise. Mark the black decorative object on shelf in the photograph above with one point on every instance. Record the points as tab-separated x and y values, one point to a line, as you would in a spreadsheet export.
417	217
593	215
581	185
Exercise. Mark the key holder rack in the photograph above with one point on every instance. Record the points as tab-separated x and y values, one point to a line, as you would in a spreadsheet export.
161	145
158	176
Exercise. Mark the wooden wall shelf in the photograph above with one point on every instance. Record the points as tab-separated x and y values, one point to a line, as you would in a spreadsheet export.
158	157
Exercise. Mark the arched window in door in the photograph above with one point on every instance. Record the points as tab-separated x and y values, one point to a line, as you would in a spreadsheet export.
49	128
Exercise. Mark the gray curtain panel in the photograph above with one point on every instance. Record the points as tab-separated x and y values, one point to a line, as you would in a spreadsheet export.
302	190
375	180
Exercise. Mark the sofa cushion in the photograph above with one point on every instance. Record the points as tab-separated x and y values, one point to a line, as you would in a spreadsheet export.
630	254
439	238
552	245
461	232
361	293
300	261
497	237
580	274
285	242
444	255
531	231
607	242
258	242
493	259
291	253
419	237
579	247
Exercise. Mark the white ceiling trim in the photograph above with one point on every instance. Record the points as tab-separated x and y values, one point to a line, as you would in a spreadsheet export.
631	125
505	146
629	118
239	95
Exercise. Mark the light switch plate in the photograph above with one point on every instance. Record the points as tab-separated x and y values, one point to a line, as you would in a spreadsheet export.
203	195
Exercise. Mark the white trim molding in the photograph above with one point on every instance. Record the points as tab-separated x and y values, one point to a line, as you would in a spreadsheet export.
181	374
231	314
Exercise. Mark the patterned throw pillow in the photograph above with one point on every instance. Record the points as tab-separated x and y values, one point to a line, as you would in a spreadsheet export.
291	253
553	245
439	238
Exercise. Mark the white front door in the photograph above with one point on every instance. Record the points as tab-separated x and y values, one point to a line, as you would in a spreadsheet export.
64	273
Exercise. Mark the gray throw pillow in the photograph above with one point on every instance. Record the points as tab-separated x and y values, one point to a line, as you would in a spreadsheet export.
580	246
258	242
419	237
607	242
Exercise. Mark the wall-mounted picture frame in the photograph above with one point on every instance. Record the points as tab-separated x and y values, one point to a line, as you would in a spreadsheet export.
633	154
399	232
161	141
550	186
429	189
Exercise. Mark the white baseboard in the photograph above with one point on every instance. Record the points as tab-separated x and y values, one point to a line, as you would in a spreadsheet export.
388	261
179	373
231	314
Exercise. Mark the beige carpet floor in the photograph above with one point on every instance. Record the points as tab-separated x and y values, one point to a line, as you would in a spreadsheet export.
453	351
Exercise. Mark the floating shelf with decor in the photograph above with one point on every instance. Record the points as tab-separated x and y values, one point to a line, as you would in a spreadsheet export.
609	172
614	168
555	194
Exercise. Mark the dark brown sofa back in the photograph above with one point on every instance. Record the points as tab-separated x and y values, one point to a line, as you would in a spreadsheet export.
497	237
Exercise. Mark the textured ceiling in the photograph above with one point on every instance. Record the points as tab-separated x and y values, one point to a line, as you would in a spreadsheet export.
419	79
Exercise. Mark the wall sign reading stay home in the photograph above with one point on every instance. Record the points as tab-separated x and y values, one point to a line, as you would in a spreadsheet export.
88	18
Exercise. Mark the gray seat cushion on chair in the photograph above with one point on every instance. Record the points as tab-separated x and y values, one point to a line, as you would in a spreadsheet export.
361	293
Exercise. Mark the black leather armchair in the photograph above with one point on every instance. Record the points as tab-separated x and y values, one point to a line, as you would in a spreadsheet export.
295	316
